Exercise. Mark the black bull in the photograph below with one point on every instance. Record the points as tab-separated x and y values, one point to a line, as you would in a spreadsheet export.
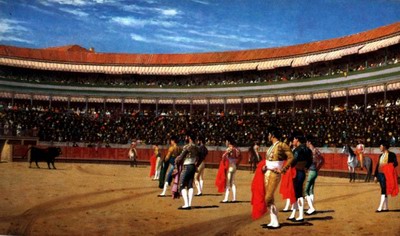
44	154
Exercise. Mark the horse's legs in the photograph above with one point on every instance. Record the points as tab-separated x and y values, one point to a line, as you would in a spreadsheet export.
369	172
368	168
352	174
254	164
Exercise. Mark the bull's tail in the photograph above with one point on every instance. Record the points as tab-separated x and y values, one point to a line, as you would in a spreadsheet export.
26	153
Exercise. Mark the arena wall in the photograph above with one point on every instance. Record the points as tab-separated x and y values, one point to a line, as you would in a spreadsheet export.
334	159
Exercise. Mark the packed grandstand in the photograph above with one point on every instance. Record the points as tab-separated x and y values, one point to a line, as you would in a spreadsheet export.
343	90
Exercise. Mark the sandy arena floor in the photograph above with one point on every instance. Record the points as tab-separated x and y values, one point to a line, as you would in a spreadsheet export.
90	199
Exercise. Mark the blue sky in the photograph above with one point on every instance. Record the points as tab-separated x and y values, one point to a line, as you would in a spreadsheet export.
178	26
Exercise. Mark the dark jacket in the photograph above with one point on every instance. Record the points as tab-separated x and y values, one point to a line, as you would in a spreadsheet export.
391	159
302	157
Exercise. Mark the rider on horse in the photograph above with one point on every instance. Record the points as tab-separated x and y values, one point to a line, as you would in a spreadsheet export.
360	153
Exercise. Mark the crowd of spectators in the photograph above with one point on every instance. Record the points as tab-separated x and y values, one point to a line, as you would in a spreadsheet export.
100	125
339	67
108	127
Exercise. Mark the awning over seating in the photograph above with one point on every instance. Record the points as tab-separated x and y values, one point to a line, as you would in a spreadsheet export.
373	46
333	55
266	65
41	97
283	62
356	91
6	95
393	86
300	61
321	95
376	89
113	100
316	58
59	98
182	69
22	96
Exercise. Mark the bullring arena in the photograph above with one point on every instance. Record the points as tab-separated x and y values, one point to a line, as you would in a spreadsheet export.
100	199
93	105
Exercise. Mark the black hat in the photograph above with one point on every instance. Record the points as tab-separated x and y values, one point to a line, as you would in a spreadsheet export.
174	138
276	132
384	143
202	139
191	135
299	136
310	138
231	140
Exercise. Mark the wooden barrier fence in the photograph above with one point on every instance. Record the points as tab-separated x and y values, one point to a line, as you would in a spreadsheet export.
333	161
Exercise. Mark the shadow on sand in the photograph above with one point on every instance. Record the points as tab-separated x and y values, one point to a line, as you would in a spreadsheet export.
287	224
205	207
233	202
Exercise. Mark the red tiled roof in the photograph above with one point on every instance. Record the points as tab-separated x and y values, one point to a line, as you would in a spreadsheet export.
76	54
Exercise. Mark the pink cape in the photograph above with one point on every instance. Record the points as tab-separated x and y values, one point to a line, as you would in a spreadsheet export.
175	181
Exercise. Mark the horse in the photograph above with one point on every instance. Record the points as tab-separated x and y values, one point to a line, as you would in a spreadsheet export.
254	157
353	163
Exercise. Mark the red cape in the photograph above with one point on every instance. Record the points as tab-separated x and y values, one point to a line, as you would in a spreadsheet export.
153	160
220	181
258	193
287	188
392	187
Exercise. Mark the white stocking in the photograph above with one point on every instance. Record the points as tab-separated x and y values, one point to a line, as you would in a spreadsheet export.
274	217
385	204
233	192
287	205
383	197
301	208
295	207
311	208
201	185
184	193
190	193
198	187
226	195
164	189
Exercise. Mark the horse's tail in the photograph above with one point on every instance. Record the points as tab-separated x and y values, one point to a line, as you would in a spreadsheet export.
372	165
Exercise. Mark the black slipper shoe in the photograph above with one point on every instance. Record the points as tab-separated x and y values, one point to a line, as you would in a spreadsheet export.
184	208
272	227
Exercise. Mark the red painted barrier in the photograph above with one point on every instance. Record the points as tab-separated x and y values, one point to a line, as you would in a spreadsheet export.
333	161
